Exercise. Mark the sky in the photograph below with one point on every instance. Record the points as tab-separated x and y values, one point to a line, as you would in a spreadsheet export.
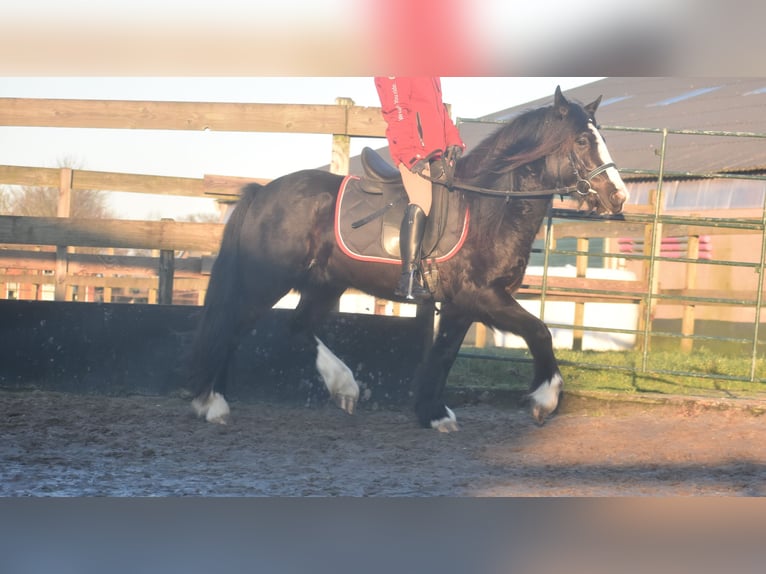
194	154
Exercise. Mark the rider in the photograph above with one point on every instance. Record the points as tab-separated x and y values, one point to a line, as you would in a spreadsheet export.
425	145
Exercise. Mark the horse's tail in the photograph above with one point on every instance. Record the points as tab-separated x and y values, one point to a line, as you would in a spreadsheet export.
218	323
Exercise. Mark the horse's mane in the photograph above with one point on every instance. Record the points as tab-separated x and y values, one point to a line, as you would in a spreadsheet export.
528	137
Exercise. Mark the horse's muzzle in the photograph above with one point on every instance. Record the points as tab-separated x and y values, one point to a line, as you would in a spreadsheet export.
617	200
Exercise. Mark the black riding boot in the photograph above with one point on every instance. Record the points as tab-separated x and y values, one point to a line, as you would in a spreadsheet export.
410	239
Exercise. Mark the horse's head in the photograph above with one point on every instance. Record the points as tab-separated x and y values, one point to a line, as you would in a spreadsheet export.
584	161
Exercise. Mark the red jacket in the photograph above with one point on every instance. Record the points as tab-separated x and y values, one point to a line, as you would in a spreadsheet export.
418	122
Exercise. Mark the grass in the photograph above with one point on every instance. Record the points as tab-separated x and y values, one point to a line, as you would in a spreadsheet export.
705	372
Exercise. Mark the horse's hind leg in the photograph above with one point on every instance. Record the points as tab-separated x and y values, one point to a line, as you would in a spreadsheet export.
210	403
212	355
314	305
224	321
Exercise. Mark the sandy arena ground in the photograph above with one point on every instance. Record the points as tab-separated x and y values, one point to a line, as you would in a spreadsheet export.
54	444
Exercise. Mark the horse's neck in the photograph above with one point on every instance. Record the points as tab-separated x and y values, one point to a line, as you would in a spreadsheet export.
500	216
520	217
533	209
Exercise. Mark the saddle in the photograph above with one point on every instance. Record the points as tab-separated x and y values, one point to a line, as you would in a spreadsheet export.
370	209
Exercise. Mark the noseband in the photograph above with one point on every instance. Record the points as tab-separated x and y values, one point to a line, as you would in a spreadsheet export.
583	185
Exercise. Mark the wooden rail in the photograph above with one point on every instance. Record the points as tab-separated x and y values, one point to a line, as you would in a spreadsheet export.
213	186
110	233
197	116
93	264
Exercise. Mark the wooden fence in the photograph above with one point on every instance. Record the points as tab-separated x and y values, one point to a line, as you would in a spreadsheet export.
49	253
50	257
71	270
107	270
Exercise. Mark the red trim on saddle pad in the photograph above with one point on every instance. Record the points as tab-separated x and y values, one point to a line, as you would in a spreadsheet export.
348	251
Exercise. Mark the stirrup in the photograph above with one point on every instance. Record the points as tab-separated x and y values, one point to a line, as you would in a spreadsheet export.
410	289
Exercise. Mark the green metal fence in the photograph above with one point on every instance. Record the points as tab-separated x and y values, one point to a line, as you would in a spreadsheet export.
654	223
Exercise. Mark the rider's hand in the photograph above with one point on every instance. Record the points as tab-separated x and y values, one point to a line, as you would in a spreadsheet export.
447	164
420	166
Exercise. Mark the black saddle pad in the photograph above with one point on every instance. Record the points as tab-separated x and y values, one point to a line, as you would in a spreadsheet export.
366	231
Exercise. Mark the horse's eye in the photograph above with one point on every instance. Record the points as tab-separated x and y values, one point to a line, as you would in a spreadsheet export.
582	141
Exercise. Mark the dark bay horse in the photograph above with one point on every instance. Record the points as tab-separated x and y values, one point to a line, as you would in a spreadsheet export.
281	237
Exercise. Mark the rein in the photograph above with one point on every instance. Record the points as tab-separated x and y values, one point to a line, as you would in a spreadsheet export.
582	187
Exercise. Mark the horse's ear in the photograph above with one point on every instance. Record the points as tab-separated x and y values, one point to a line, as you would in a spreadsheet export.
560	103
593	106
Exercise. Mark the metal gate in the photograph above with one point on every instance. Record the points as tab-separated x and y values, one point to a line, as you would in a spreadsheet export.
605	239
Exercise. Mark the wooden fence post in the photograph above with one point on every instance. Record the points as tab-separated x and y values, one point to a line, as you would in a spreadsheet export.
341	144
166	272
107	293
341	151
653	287
687	320
63	209
579	310
481	335
167	269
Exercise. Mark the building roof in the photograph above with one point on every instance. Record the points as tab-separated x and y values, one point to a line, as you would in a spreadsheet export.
699	104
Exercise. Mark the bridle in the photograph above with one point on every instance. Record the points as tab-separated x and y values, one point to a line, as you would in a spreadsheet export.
582	186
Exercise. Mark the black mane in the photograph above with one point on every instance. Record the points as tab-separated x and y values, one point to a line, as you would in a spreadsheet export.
525	139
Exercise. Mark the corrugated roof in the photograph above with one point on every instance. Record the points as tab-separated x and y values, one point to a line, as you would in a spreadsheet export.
700	104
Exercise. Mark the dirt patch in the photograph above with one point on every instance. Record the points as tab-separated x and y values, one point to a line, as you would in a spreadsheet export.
57	444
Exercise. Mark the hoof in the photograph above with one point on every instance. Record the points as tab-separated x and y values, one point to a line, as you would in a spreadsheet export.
345	403
437	416
213	407
546	398
338	378
446	424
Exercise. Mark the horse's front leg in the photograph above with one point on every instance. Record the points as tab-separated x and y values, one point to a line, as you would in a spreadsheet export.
431	375
547	384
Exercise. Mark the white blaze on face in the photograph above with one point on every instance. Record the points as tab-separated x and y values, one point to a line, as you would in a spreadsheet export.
611	173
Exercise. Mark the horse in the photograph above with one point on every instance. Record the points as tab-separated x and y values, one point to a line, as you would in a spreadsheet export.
280	237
